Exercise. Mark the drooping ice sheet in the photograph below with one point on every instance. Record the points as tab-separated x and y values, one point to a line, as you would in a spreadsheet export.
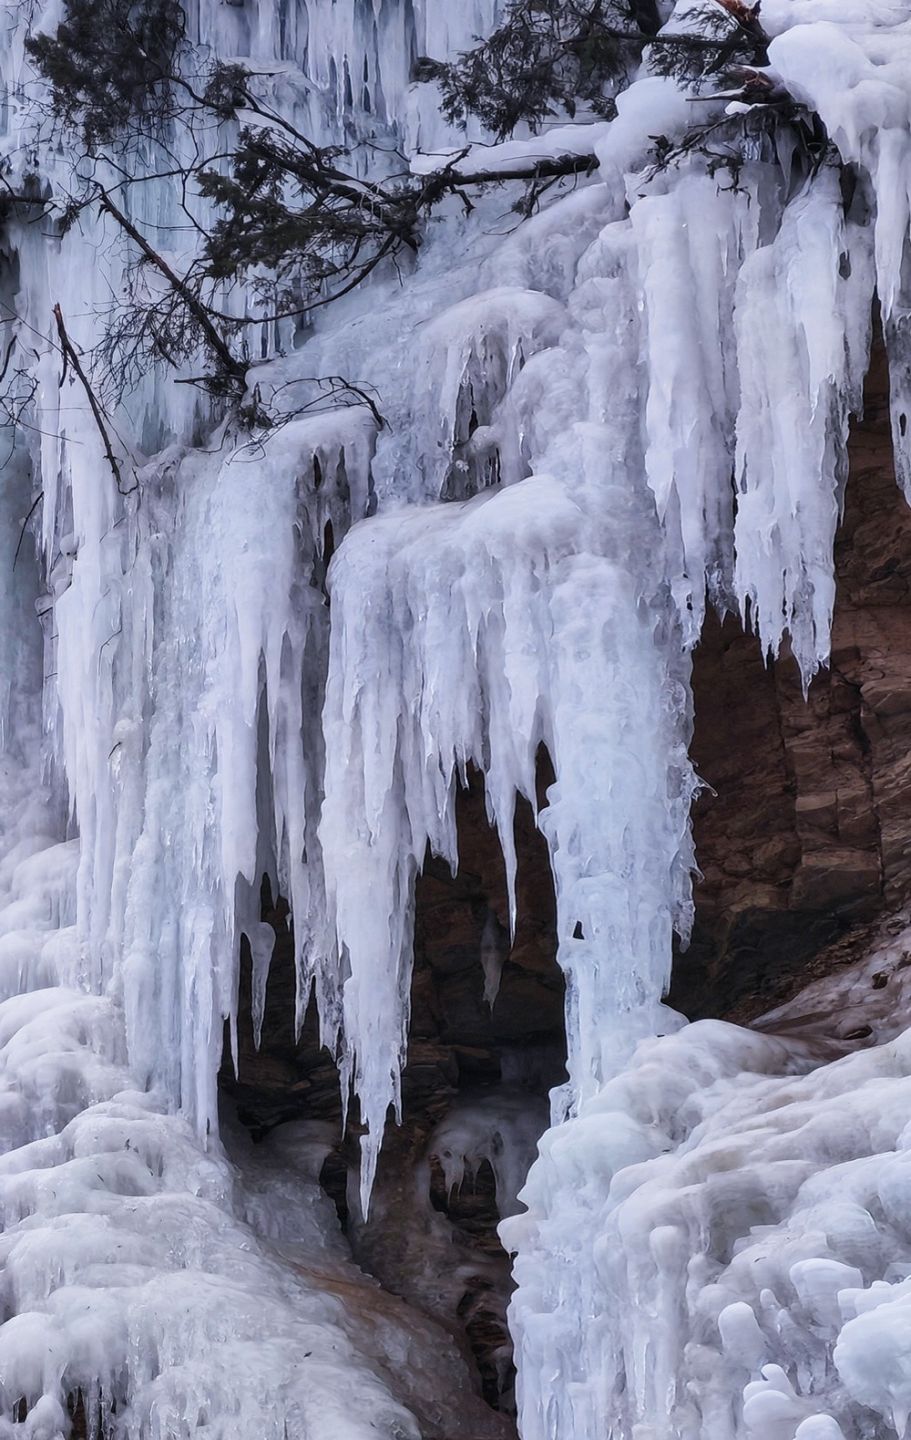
564	403
167	1289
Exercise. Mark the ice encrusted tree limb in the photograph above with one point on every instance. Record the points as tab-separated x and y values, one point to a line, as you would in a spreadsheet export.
297	223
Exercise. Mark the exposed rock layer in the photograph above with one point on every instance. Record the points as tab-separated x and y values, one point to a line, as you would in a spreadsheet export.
803	831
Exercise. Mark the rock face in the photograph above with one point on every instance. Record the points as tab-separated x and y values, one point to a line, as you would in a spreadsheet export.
803	832
803	839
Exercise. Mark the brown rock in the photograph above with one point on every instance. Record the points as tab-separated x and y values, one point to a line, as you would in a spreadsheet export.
807	834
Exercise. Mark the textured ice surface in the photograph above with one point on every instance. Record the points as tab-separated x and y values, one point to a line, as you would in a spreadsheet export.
736	1207
179	1292
716	1234
501	1128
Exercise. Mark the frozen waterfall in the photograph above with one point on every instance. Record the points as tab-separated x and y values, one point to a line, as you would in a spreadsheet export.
589	424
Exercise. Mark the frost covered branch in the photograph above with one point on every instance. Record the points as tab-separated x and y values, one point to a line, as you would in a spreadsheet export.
231	371
295	222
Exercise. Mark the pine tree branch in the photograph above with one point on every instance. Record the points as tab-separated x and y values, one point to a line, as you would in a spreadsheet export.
232	368
449	180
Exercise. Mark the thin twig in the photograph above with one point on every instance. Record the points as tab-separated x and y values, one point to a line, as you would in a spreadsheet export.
232	367
70	353
34	506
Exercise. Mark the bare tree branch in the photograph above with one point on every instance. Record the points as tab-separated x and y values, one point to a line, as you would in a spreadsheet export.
71	355
231	366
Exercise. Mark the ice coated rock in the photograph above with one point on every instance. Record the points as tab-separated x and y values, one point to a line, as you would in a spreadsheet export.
717	1227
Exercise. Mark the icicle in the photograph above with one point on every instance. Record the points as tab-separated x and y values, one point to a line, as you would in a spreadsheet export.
493	957
859	89
803	338
501	1129
691	243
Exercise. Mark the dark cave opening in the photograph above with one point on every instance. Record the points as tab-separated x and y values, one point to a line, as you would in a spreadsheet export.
432	1243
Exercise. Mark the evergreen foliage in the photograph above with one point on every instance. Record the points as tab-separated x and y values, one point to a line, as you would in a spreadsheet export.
296	221
111	65
551	57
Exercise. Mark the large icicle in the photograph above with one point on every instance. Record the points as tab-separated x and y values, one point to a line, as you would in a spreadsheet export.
476	632
852	68
691	243
803	341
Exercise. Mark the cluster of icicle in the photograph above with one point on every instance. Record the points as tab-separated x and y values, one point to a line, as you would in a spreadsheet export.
565	401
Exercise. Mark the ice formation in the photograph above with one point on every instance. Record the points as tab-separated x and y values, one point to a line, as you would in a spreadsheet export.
501	1128
744	1195
717	1227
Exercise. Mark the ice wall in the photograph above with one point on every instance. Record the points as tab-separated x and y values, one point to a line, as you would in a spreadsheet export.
527	542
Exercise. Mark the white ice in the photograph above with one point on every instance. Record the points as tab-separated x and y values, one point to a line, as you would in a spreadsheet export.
524	551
